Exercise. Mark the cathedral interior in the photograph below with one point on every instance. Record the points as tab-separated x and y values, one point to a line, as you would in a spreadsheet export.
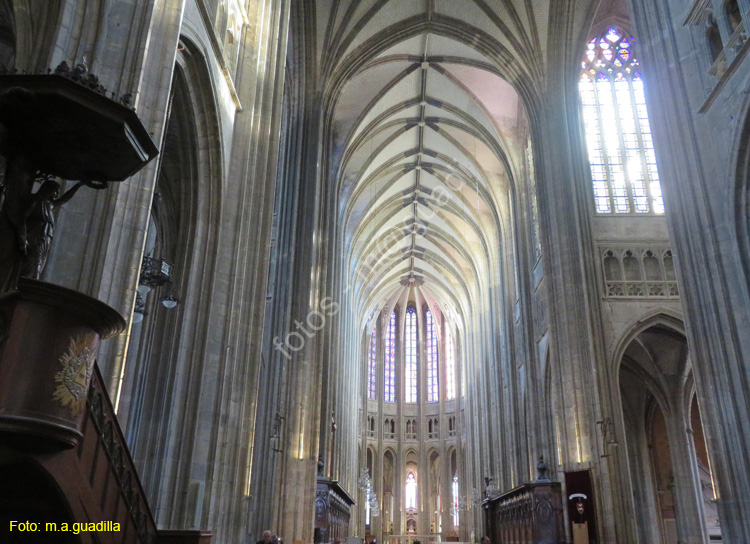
378	271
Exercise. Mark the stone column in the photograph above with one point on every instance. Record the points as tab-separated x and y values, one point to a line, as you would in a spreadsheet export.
690	518
700	166
564	196
445	494
377	524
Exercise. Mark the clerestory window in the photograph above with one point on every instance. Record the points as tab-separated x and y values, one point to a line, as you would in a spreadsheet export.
450	366
618	133
433	389
389	370
410	342
372	363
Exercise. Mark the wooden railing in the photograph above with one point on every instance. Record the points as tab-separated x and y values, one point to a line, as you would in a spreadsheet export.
100	483
529	514
103	433
117	476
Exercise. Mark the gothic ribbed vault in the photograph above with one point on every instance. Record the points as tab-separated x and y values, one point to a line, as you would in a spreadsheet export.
424	145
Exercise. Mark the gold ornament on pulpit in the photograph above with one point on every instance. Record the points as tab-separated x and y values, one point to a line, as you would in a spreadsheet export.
74	377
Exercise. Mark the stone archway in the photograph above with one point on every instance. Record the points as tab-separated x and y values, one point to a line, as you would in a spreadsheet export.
742	198
163	359
30	494
434	496
655	378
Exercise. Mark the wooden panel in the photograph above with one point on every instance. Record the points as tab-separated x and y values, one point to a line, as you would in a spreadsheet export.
580	533
529	514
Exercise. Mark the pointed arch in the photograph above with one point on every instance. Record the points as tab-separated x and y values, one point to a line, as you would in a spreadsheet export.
389	357
411	356
432	351
741	201
660	316
624	173
165	357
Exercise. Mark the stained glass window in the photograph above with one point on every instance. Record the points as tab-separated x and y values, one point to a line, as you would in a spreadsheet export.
411	355
389	370
411	491
450	366
534	202
618	134
371	363
432	360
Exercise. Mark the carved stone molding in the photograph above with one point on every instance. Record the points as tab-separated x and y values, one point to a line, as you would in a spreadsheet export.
632	271
699	14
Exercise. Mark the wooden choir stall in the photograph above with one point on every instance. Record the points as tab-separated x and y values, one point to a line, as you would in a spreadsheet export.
528	514
333	508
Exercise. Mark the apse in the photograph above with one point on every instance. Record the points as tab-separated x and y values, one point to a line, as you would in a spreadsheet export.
428	142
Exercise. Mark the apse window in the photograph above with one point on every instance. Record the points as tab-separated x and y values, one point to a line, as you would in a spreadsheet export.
411	491
618	134
433	388
411	355
371	364
389	371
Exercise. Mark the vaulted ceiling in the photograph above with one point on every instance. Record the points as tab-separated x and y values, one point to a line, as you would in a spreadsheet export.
427	139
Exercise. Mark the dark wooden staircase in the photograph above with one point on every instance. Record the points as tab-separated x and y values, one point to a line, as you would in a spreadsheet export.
94	482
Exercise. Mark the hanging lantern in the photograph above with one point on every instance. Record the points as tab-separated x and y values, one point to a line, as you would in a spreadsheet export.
364	479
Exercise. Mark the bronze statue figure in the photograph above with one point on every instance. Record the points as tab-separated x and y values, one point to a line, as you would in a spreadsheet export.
38	226
57	126
27	225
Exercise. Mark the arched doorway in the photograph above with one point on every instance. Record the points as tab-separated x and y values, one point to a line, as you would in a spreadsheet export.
164	364
663	436
30	494
389	475
435	499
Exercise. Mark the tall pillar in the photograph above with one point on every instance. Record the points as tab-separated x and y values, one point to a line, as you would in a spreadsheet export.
576	343
700	145
446	497
689	510
377	523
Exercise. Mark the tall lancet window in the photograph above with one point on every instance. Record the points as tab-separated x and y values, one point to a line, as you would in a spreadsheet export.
450	366
455	500
433	394
389	370
410	355
371	363
618	134
411	491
